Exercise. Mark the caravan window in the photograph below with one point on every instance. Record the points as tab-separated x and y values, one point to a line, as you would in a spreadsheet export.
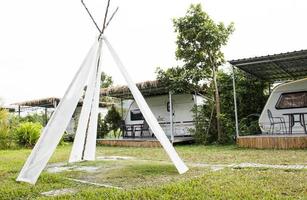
136	115
292	100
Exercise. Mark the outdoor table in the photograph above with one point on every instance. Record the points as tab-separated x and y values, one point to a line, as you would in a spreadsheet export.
133	128
292	120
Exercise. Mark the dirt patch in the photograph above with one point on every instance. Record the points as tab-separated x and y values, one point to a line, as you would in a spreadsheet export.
115	158
58	169
72	168
53	193
93	183
216	167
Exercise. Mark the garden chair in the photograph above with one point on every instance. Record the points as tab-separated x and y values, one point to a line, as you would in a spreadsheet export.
127	130
143	128
276	120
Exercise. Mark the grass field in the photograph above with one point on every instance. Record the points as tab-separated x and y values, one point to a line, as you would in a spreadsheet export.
146	173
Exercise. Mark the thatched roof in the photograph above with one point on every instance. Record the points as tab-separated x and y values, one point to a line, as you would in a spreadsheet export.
147	88
51	102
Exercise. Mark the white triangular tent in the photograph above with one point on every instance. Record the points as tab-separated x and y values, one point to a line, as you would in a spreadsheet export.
84	147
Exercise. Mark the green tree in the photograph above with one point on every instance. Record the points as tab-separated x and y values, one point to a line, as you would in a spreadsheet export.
113	119
258	96
102	127
176	80
106	80
247	112
199	43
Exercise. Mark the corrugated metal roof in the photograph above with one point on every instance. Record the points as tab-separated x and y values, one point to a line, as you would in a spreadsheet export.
283	66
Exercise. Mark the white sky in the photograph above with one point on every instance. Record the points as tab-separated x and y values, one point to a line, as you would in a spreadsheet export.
42	43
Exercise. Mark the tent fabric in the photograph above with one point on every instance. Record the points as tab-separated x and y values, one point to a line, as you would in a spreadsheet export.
90	143
56	126
84	147
147	113
277	67
77	151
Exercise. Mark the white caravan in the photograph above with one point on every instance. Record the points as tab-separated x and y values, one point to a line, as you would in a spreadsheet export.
159	105
286	105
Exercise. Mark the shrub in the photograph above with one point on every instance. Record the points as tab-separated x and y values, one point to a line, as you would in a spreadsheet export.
114	134
102	127
200	131
34	118
113	119
27	133
249	125
251	98
5	136
245	96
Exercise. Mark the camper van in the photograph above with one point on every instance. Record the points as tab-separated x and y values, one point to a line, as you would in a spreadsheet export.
286	109
160	106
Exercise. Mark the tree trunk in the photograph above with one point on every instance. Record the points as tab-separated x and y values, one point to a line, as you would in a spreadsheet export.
218	106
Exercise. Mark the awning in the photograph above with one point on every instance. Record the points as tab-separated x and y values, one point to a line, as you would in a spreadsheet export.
283	66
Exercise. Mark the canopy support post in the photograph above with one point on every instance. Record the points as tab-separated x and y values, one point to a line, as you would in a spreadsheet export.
235	101
171	116
122	108
46	116
196	111
19	110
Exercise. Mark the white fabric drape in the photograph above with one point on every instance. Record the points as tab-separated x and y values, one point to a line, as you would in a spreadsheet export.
57	124
86	114
84	146
90	143
147	113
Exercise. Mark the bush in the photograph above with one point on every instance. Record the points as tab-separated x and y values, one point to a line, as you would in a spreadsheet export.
251	98
27	133
102	127
5	134
245	95
249	125
201	124
114	134
34	118
113	119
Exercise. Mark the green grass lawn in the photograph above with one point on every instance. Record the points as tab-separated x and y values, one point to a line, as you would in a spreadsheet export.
150	175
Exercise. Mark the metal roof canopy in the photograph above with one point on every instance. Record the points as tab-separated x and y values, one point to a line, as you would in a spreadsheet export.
283	66
276	67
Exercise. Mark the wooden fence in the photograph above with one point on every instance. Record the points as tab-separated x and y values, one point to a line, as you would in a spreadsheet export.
129	143
273	141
